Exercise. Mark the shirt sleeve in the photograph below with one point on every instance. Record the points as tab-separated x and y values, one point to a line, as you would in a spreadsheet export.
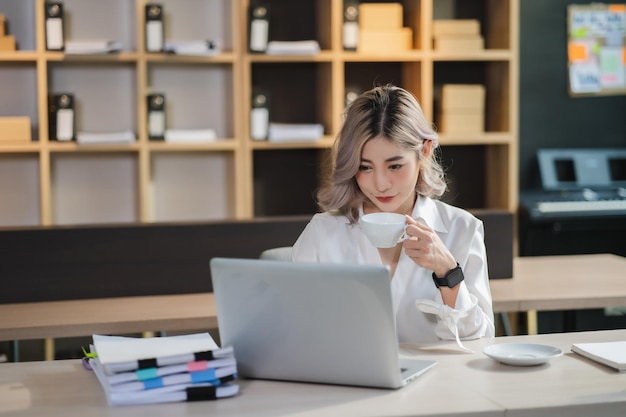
472	315
306	247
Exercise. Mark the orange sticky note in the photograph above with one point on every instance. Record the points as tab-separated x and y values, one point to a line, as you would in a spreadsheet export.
576	52
617	8
624	55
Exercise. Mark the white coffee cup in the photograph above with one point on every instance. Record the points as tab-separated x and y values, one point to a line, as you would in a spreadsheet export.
384	230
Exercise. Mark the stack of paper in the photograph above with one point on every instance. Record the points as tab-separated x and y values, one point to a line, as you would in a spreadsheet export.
293	48
200	47
92	47
190	135
163	369
612	354
91	138
289	132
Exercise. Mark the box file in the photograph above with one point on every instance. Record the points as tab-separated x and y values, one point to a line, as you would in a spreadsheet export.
154	27
260	116
61	119
55	37
463	43
7	43
350	28
446	27
461	108
156	116
380	15
385	40
15	130
459	122
463	96
259	27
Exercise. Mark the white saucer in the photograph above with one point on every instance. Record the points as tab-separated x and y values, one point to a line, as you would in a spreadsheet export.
522	354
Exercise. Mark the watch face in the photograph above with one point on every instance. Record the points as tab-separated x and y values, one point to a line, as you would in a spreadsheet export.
455	277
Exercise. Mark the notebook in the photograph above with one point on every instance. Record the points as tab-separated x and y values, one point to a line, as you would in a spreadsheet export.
311	322
611	354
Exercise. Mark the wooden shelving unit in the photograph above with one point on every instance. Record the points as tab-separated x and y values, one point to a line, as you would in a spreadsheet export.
51	183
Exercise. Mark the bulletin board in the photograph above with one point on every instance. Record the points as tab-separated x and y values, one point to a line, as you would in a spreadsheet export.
596	49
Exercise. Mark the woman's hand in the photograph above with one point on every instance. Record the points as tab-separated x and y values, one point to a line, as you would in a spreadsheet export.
426	249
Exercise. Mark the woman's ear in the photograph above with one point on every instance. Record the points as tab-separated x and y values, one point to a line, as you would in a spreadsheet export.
427	148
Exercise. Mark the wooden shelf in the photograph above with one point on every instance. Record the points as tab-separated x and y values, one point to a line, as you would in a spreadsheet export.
219	145
18	56
325	142
9	147
235	177
69	147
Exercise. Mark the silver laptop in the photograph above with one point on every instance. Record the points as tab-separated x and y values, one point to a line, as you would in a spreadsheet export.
311	322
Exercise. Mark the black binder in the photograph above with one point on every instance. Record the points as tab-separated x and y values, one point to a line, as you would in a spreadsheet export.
154	28
61	120
55	38
350	28
156	116
260	115
259	27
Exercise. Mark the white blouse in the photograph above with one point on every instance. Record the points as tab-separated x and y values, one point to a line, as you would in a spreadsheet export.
421	315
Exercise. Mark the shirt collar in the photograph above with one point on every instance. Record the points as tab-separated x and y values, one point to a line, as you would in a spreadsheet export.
426	210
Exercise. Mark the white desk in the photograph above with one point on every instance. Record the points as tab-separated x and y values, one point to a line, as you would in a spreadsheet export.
460	385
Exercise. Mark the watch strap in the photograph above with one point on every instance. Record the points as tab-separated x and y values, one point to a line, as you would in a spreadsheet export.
452	278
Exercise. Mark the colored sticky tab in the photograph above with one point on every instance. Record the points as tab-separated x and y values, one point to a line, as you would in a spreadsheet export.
153	383
88	354
576	52
196	366
143	374
201	393
617	8
203	376
207	355
624	56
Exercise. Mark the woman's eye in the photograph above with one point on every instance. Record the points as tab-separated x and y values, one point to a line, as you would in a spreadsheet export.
364	168
395	167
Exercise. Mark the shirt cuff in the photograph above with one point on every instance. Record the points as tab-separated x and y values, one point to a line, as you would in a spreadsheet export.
447	326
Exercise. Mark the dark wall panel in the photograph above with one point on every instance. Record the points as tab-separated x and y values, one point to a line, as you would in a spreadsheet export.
549	118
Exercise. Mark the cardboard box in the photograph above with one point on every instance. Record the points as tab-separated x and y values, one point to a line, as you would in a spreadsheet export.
455	121
464	97
383	41
462	43
380	16
15	130
7	43
446	27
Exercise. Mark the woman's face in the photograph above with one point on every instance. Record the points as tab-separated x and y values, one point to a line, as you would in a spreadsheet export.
387	176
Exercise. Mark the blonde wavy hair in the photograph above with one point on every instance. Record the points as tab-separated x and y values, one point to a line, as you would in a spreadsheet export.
395	114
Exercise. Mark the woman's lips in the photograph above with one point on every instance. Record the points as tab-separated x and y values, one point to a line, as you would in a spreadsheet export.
384	199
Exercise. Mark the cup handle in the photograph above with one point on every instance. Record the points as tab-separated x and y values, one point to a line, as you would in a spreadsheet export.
404	236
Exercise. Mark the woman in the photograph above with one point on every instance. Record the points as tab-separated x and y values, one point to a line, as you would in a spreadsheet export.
384	161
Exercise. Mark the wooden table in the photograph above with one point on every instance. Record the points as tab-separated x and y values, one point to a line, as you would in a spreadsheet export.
461	384
539	283
571	282
55	319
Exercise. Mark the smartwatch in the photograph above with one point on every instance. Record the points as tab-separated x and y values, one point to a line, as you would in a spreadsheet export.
452	278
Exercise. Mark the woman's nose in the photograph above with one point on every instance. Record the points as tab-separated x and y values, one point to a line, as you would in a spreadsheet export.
382	182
